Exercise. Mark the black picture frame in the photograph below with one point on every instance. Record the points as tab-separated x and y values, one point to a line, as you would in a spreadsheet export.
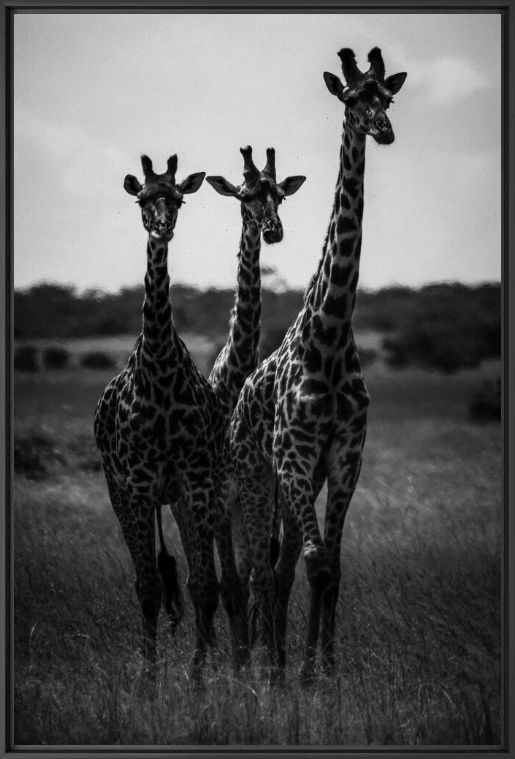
11	7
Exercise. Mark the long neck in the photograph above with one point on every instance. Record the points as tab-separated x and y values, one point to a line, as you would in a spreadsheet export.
244	327
238	357
333	293
159	343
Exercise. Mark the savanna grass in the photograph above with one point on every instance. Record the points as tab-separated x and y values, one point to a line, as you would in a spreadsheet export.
418	617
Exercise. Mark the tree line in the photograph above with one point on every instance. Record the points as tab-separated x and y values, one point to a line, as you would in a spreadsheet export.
443	326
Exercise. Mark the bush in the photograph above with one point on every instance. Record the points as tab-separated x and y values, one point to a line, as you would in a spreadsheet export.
434	345
35	454
55	357
485	405
97	360
26	358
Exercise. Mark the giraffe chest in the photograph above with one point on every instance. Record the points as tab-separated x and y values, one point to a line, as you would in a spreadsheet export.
164	424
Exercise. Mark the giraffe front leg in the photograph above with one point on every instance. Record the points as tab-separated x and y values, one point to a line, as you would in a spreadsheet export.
344	467
139	533
202	580
296	480
136	518
284	573
232	589
254	491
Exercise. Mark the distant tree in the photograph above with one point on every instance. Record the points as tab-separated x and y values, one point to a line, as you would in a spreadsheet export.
97	360
485	404
26	359
56	357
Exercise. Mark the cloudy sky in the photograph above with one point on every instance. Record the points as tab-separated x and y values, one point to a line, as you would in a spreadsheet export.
93	92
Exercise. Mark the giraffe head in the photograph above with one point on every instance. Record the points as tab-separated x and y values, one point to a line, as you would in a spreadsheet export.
260	193
160	197
366	96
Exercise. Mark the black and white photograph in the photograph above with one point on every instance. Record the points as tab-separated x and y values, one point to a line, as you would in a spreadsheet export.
258	490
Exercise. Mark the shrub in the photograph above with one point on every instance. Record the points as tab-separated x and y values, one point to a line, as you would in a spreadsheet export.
34	454
97	360
26	358
485	404
55	357
434	345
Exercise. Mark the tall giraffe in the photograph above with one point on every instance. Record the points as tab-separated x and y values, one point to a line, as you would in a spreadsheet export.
160	429
301	416
260	196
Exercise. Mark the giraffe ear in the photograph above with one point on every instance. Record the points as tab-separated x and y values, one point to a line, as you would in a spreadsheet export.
334	85
291	184
191	183
221	185
395	82
131	185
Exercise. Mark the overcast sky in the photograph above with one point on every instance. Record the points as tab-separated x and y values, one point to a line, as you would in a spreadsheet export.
93	92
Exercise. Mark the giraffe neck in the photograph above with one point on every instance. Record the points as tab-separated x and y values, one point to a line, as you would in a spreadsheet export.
332	295
246	313
159	339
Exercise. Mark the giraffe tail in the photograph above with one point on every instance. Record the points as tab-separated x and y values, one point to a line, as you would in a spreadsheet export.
167	566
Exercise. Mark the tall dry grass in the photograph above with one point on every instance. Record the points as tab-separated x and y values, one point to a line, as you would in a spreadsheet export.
418	617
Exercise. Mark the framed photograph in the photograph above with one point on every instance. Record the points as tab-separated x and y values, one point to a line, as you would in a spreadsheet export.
257	387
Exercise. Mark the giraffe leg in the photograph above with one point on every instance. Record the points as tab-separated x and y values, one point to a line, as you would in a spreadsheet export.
232	590
136	519
139	533
297	488
254	487
284	571
167	566
242	551
202	580
344	462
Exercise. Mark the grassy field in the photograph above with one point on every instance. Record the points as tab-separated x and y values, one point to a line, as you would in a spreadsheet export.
419	613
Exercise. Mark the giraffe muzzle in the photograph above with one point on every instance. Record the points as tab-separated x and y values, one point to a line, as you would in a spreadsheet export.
382	131
162	230
384	136
272	233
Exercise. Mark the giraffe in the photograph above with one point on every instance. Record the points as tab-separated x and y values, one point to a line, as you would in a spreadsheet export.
301	416
159	427
260	196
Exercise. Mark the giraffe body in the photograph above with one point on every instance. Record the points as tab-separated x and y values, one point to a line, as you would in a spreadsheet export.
301	416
